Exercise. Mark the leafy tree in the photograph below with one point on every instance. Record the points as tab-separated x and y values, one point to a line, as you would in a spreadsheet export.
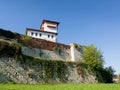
108	76
94	61
92	57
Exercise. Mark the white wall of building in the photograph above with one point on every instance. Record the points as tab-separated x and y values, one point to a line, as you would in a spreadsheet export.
51	37
49	29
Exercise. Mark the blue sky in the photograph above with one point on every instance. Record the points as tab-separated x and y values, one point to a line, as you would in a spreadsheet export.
82	21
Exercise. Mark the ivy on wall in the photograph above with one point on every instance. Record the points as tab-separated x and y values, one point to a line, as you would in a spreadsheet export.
58	49
50	69
25	38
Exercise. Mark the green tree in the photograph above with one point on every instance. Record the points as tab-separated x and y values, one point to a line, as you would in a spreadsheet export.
92	57
108	74
94	60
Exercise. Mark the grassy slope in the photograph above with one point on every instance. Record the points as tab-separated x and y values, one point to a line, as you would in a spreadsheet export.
60	87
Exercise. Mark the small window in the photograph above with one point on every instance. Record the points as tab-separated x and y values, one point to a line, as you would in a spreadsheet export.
32	33
40	34
48	36
36	34
52	36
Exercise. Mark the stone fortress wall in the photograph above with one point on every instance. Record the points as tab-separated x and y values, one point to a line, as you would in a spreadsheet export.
46	49
10	71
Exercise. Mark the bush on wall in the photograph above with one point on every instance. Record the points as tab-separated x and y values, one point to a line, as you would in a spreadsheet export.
6	33
26	38
10	49
57	49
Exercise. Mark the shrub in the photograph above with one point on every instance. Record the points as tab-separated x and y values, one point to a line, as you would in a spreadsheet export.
6	33
94	61
26	38
9	48
77	46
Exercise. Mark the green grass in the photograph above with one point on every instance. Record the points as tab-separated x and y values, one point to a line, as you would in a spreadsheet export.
60	87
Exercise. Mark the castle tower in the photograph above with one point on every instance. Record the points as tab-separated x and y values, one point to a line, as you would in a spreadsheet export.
48	31
49	26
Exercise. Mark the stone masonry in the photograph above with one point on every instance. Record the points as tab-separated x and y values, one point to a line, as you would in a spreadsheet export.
12	71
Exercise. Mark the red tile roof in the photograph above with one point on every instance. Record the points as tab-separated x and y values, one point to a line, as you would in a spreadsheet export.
50	22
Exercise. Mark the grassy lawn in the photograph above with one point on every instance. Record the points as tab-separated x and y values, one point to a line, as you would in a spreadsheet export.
60	87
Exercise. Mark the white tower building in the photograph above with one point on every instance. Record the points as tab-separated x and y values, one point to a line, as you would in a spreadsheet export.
48	31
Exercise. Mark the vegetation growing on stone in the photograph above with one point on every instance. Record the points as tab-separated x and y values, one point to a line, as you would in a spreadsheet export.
25	38
10	49
93	60
57	49
49	67
77	46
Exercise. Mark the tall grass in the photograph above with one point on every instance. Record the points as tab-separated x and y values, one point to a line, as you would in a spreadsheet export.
60	87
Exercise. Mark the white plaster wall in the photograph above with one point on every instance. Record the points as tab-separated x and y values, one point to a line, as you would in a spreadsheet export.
72	52
75	54
43	36
34	52
54	30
